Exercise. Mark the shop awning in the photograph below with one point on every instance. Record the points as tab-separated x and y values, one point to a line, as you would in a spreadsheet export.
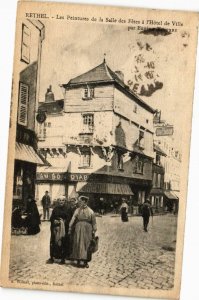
27	153
104	188
171	195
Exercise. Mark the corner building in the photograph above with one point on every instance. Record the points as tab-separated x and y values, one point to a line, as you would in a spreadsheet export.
28	58
103	137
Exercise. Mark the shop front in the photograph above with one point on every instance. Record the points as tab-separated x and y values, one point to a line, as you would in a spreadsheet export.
106	192
171	201
52	180
26	161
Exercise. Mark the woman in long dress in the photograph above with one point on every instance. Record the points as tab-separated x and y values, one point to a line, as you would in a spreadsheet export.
84	224
59	240
33	219
124	211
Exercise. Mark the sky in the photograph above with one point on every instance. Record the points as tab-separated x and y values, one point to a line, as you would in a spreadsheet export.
70	49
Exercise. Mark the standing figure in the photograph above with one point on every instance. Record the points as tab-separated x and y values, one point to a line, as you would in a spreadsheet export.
146	213
84	223
46	205
59	242
32	221
124	211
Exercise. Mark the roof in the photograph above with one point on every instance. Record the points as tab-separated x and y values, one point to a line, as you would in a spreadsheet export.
103	74
52	107
159	150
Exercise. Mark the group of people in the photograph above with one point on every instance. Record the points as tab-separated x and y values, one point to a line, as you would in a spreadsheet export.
146	212
72	232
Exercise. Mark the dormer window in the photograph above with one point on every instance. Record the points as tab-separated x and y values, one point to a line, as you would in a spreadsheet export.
88	93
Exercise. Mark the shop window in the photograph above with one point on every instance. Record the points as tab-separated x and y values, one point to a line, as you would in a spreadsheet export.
25	44
23	104
88	123
18	183
88	93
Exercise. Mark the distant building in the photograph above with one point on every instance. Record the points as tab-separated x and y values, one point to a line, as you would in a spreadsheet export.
164	138
157	192
99	141
26	156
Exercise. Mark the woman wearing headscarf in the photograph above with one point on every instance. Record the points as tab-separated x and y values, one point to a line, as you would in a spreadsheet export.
59	242
84	224
32	221
124	211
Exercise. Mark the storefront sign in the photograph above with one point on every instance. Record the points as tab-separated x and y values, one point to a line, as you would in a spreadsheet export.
165	130
78	177
62	176
51	176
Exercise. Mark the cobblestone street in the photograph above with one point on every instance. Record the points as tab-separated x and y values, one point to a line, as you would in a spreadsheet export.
127	256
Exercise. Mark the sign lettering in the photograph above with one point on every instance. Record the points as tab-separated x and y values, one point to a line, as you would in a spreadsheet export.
62	176
165	130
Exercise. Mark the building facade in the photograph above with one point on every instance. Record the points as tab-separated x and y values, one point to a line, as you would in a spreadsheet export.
165	139
101	137
26	156
157	196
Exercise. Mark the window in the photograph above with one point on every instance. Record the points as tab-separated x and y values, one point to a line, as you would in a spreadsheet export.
23	104
88	123
139	166
85	160
42	132
141	139
120	162
88	93
157	160
18	182
154	179
135	109
25	44
47	124
159	180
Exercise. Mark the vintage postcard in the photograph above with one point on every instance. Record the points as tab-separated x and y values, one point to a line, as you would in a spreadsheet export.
99	141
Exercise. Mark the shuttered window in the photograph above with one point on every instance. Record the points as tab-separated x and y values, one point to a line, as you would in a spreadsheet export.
23	104
25	44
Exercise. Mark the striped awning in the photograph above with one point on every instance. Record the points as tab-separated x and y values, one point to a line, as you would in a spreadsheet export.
27	153
104	188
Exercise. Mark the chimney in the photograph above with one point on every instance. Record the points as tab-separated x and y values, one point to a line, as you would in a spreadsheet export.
49	96
120	74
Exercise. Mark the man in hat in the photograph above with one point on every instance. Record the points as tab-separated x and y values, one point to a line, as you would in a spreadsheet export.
46	205
146	213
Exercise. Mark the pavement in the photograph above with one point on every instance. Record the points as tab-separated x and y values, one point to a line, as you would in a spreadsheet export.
127	257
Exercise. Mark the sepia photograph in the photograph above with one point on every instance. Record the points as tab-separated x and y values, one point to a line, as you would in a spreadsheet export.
99	140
